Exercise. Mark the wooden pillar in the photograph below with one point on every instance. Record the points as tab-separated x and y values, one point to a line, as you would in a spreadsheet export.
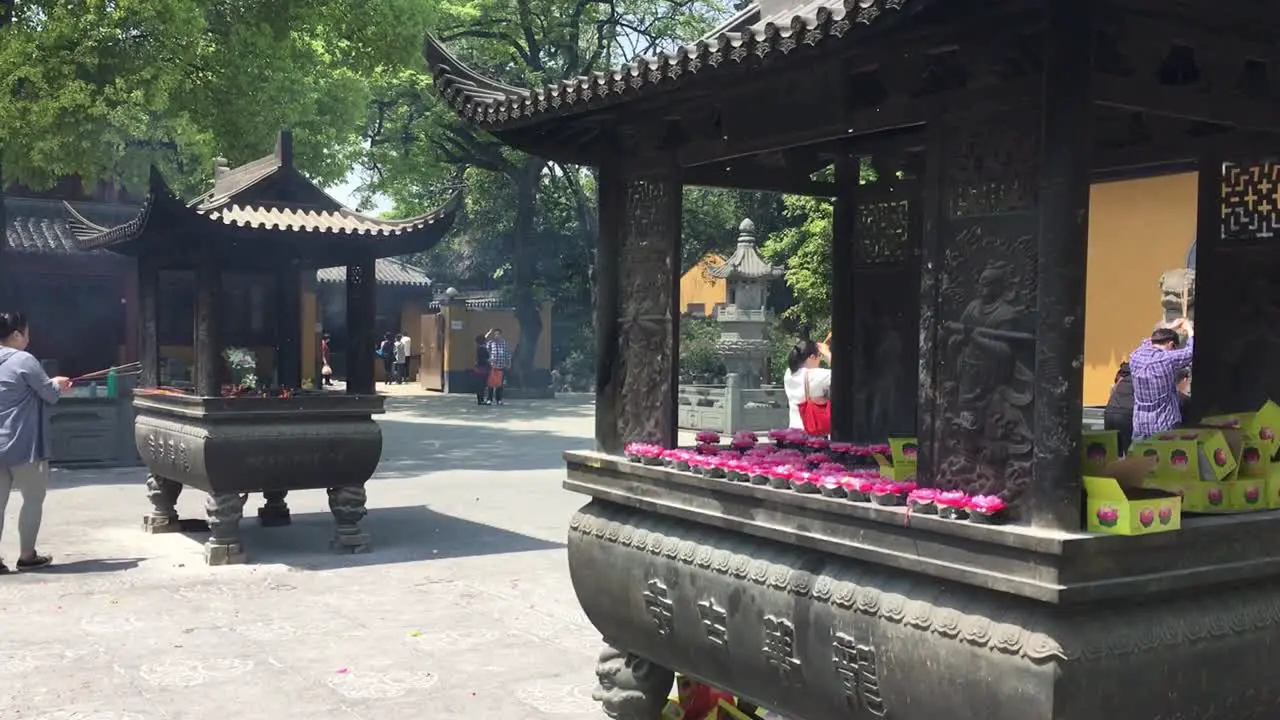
612	205
880	274
208	335
362	334
1003	287
638	276
1215	387
842	308
288	284
148	320
1061	260
129	306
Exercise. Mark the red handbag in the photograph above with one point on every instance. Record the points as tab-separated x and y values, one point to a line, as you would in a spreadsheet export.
815	416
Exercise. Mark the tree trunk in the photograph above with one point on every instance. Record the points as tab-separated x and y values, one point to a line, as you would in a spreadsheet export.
523	261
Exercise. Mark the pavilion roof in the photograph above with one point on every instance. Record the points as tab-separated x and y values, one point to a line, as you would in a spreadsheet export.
745	262
758	33
267	196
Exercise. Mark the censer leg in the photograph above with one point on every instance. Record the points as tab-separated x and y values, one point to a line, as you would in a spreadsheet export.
347	504
163	494
631	687
224	510
275	511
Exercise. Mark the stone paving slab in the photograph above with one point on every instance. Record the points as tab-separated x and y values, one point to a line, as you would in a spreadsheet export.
463	610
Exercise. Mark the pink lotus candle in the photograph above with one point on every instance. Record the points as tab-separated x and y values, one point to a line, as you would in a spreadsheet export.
923	500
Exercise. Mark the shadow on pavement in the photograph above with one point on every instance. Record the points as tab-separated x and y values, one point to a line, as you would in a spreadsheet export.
439	433
89	566
399	535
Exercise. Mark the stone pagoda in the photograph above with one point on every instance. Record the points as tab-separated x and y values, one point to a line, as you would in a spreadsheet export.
744	317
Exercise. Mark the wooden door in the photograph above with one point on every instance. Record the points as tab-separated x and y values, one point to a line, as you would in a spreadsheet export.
431	343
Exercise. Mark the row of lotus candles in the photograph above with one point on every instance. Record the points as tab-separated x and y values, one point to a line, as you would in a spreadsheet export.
812	466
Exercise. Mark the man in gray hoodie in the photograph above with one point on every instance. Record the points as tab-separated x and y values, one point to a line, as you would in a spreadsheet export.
24	391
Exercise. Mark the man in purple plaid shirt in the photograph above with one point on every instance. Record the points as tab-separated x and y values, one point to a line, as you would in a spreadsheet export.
1155	366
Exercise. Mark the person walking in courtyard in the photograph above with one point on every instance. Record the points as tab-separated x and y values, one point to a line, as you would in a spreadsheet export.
24	391
806	379
499	361
1155	367
387	351
326	370
406	373
482	370
400	362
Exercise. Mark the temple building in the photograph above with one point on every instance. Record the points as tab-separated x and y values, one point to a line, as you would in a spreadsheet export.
959	301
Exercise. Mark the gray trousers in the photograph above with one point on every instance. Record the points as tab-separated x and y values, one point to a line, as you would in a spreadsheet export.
32	480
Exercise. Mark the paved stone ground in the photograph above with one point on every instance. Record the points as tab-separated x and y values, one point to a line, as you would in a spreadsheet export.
463	610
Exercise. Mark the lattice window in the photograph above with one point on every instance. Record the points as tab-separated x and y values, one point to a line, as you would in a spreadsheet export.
883	233
1251	200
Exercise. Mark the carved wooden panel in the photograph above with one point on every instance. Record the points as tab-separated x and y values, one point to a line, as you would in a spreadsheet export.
991	169
1238	282
648	274
982	426
1251	200
885	285
883	229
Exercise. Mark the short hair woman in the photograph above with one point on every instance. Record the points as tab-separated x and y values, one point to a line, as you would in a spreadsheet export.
25	390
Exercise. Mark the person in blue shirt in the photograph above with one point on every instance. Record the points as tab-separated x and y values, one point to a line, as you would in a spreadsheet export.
25	390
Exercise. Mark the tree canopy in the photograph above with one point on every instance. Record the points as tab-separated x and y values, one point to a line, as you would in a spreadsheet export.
101	89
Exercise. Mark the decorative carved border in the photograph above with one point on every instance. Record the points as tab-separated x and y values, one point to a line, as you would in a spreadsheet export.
728	49
1199	620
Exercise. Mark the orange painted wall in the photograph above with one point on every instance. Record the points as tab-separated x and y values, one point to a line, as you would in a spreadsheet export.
1138	229
697	288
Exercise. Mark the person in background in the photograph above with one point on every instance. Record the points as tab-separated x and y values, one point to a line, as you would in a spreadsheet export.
805	362
387	351
482	369
400	359
25	390
326	370
408	355
1118	414
1155	366
499	361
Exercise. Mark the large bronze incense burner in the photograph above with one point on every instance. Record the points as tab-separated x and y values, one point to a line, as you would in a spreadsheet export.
958	310
229	447
264	219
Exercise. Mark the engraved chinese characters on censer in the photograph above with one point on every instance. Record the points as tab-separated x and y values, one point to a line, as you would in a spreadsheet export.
859	672
162	492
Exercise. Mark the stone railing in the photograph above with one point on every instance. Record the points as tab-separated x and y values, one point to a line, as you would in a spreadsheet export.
729	408
736	314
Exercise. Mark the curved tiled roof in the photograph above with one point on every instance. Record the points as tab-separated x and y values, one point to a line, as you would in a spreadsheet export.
260	217
387	271
38	225
326	221
494	105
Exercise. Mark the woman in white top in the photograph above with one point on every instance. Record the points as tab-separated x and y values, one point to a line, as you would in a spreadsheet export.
803	361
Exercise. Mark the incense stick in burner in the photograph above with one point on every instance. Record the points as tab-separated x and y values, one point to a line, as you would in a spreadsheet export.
133	368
